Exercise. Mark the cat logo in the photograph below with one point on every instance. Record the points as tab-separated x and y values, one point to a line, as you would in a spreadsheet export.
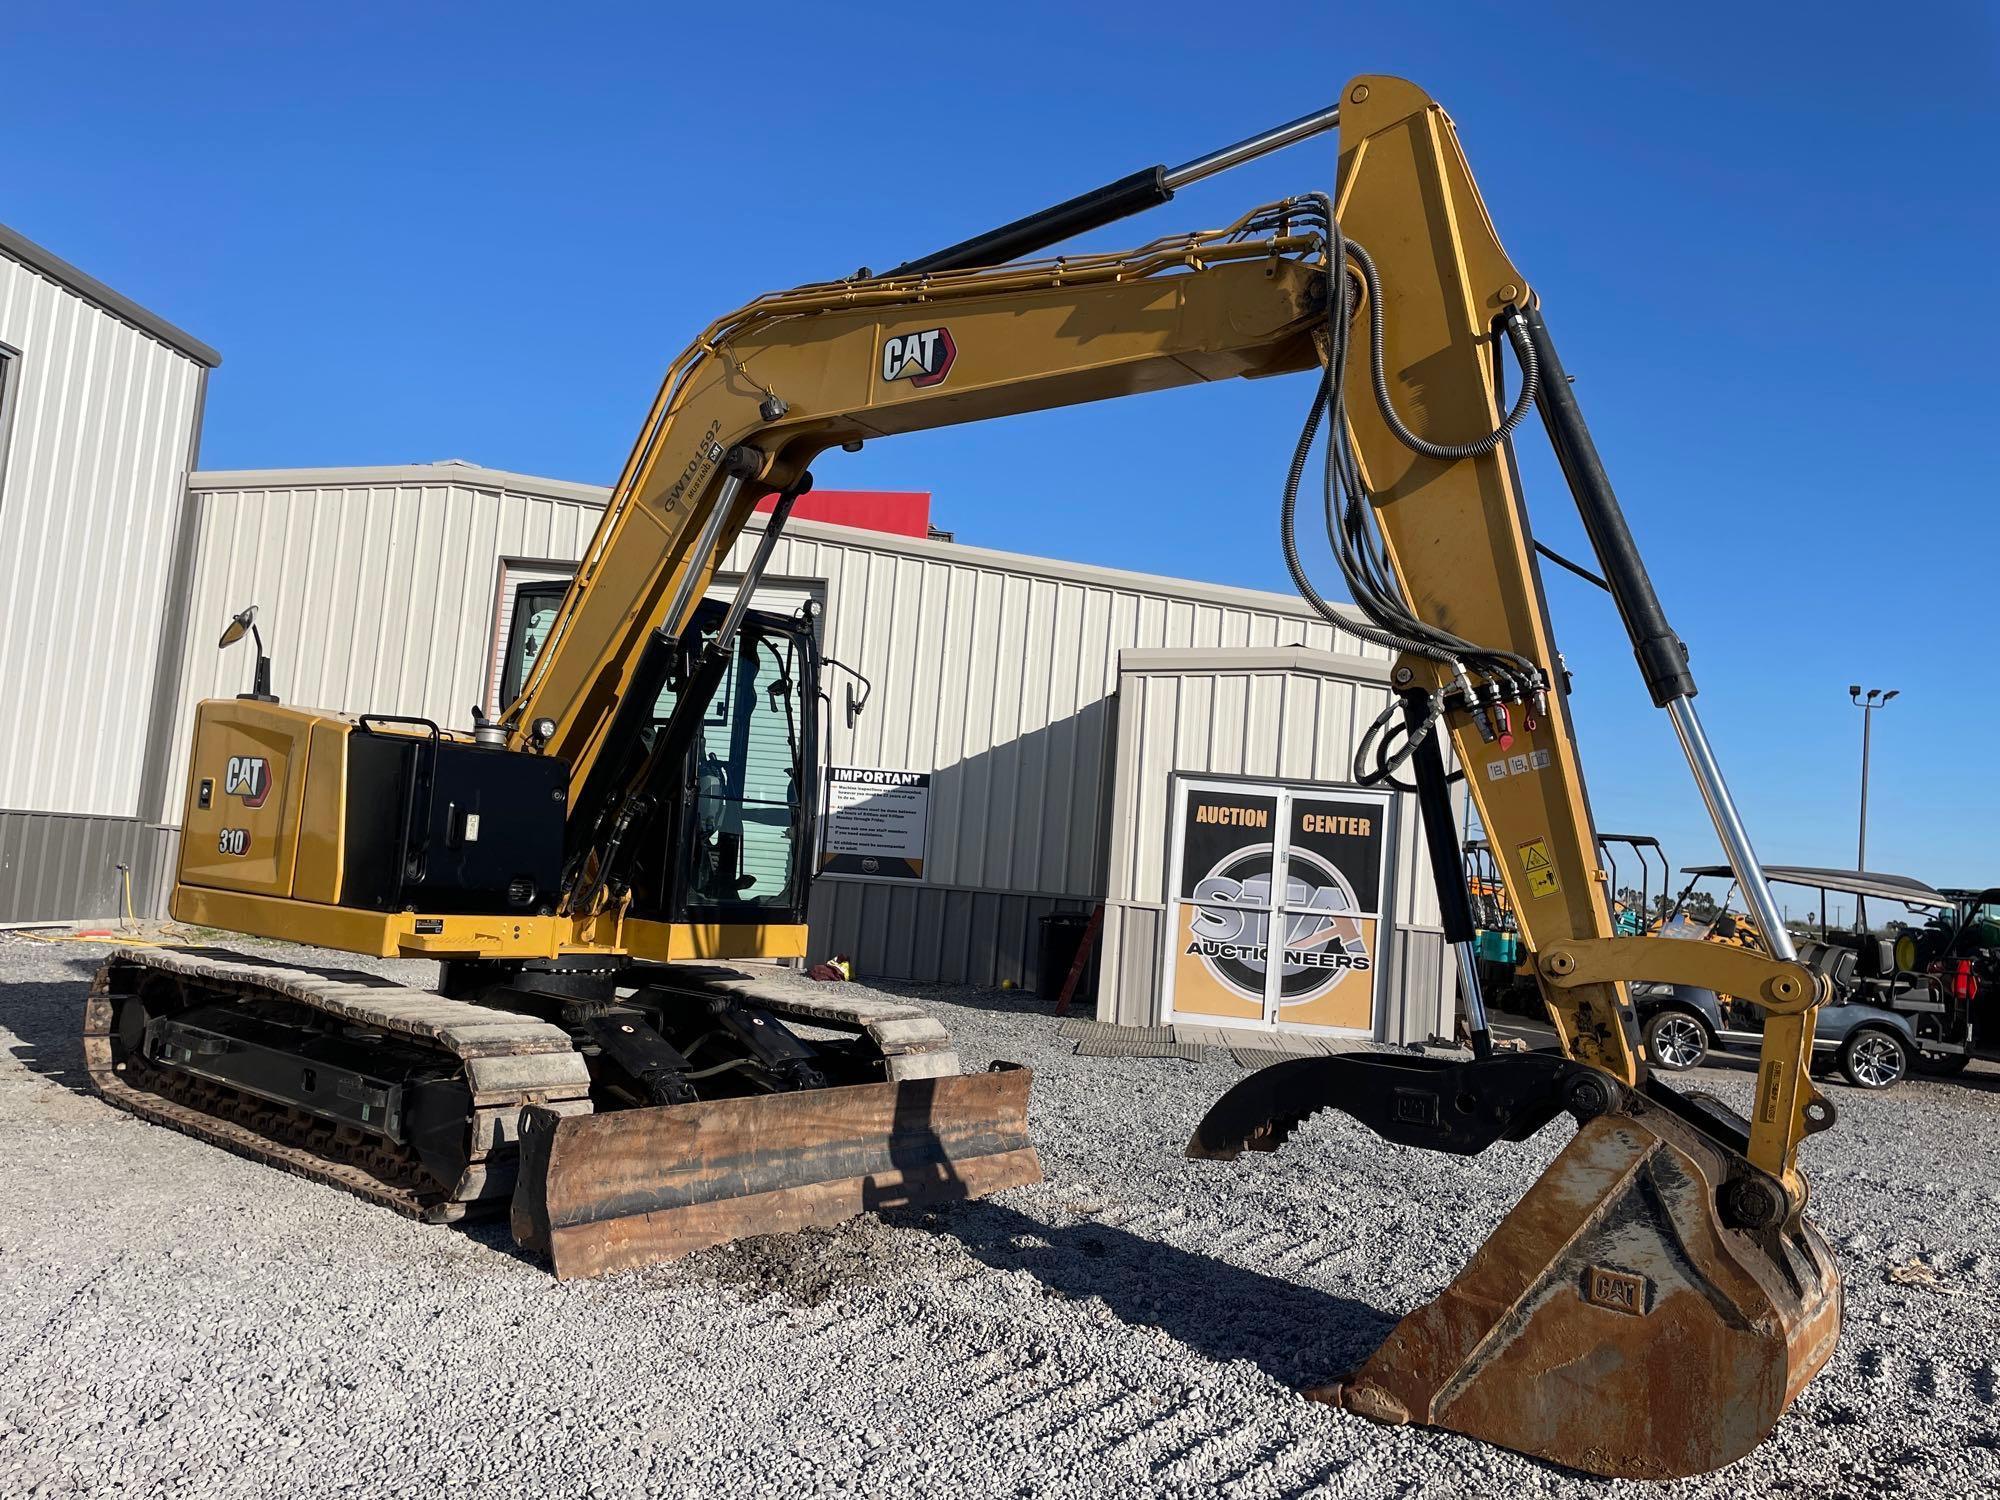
248	777
923	359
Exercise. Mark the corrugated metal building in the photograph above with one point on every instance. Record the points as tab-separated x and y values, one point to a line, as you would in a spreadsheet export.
100	422
1032	691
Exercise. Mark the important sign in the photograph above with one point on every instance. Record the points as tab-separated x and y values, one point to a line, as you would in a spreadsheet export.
875	824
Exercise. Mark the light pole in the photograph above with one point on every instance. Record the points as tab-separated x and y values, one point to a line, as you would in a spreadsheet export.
1875	699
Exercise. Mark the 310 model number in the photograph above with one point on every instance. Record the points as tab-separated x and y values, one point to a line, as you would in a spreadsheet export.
233	841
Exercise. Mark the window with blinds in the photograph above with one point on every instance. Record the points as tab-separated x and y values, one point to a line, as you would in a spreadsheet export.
531	606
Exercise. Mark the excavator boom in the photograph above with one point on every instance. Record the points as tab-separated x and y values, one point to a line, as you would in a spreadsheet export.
750	403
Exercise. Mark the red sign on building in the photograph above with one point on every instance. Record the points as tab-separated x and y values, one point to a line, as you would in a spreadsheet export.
899	512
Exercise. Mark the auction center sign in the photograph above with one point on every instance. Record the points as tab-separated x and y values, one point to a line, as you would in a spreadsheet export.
876	823
1277	911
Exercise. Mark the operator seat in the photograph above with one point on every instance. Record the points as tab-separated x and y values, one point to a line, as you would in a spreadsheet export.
1840	965
1878	958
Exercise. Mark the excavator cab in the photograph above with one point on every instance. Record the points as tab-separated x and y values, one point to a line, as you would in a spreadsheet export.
730	839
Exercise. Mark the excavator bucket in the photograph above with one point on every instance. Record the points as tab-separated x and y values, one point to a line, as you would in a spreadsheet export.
1624	1319
608	1192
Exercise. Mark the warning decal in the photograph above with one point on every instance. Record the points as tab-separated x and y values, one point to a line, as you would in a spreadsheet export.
1539	868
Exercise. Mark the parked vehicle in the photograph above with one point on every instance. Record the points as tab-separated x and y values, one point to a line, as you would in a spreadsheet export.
1873	1047
1927	999
1497	935
1960	951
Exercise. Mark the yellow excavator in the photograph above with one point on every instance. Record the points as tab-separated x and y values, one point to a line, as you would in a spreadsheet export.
586	866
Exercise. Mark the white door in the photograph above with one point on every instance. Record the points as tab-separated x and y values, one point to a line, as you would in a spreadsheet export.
1277	902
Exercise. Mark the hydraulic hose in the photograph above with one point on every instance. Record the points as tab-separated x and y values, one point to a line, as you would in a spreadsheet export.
1378	371
1288	537
1351	532
1385	766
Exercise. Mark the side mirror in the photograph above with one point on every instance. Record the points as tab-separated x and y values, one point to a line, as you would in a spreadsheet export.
238	627
245	621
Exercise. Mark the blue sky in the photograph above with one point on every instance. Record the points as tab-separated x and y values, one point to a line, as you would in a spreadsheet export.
1763	235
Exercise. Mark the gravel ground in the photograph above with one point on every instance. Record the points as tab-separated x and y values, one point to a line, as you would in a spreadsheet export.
176	1321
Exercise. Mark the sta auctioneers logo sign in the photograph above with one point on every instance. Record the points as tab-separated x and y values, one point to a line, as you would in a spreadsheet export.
1280	929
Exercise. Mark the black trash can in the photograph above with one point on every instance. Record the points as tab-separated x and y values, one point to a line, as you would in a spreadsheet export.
1062	934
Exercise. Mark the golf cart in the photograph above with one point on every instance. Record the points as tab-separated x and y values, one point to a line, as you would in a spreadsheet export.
1505	975
1886	1016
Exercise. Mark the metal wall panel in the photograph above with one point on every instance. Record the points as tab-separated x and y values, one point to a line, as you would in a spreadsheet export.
62	866
1129	963
93	457
1425	977
1287	715
931	933
996	673
376	589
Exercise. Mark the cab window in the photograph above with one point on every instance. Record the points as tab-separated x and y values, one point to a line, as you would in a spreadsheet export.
746	763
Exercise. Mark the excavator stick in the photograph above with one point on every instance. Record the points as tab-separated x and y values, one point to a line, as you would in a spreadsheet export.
608	1192
1629	1317
1655	1301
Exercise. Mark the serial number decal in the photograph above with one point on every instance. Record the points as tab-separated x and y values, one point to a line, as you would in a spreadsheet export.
707	454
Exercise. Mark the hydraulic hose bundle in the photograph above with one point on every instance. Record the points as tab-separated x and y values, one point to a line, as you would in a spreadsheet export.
1481	677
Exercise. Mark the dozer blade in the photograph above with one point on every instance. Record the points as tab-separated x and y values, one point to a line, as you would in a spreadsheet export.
1621	1320
626	1188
